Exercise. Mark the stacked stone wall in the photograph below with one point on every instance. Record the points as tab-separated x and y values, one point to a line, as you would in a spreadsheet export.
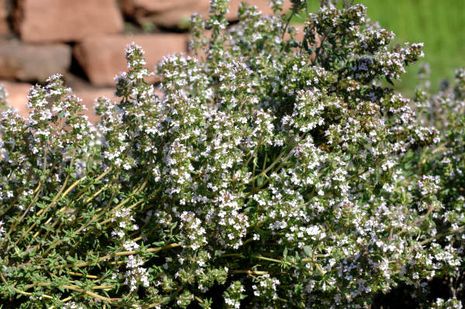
85	39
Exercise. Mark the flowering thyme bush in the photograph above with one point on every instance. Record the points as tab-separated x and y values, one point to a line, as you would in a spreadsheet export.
442	169
273	172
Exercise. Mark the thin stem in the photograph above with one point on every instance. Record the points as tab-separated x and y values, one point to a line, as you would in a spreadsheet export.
72	273
249	272
238	255
286	25
126	253
91	198
64	300
89	293
47	284
198	299
100	177
264	172
263	258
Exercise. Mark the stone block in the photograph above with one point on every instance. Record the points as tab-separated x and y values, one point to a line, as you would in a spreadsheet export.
4	28
30	62
102	58
175	13
66	20
17	96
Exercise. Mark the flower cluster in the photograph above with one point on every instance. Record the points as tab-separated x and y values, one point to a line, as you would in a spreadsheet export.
449	304
135	273
272	171
233	295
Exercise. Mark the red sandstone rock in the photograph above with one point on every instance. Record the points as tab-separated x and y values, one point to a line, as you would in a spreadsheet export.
102	58
66	20
173	13
131	7
17	96
178	18
90	95
4	29
165	13
28	62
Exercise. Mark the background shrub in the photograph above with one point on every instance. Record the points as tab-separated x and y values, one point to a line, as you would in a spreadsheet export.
439	24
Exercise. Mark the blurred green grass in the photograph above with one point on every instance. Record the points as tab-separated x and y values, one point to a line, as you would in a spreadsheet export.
439	24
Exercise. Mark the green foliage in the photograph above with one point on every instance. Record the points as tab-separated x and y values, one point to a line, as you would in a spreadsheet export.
273	172
439	24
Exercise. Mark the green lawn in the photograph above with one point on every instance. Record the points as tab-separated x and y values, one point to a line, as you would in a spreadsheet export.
440	24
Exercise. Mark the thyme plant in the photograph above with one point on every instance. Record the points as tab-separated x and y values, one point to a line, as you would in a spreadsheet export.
445	165
272	173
